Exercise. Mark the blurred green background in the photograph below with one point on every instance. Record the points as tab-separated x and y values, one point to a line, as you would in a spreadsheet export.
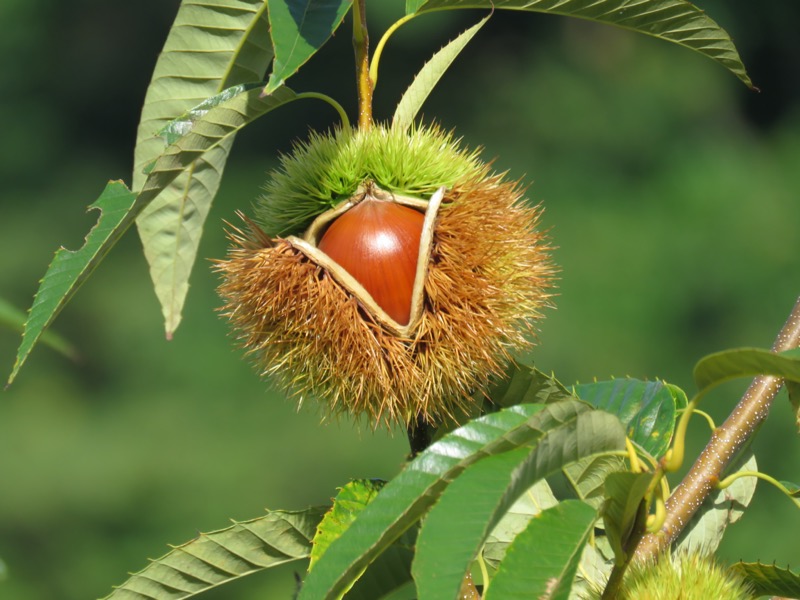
670	189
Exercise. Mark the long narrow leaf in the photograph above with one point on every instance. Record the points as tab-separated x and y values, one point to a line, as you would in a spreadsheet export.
120	207
14	319
70	269
543	560
675	21
220	557
456	527
429	76
405	499
213	45
724	366
299	29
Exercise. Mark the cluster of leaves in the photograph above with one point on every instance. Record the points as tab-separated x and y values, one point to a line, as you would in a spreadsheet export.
468	501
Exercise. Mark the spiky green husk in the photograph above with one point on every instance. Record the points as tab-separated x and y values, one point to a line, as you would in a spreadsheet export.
328	168
487	281
683	577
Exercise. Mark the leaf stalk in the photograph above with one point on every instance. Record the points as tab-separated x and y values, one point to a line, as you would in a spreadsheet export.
363	81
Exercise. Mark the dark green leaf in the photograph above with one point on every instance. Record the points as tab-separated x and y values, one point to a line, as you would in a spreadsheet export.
456	527
299	29
646	408
543	559
769	580
212	46
624	495
213	559
723	366
120	207
405	499
70	269
675	21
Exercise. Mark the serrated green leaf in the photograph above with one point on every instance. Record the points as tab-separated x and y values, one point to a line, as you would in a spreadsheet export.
70	269
392	570
593	571
646	408
212	46
349	502
720	367
428	77
456	527
769	580
526	385
299	29
220	557
406	498
14	319
120	207
543	559
537	498
675	21
705	529
624	495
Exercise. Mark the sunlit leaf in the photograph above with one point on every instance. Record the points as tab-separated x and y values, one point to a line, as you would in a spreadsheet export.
769	580
705	529
675	21
220	557
724	366
543	559
392	570
537	498
428	77
646	408
212	46
120	207
406	498
624	494
456	527
299	29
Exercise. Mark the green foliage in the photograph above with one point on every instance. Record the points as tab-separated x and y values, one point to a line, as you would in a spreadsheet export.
299	29
477	490
675	21
220	557
212	46
769	580
647	409
558	536
427	78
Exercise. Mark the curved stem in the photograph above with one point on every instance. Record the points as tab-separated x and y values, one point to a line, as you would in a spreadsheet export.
325	98
759	475
376	57
361	47
723	447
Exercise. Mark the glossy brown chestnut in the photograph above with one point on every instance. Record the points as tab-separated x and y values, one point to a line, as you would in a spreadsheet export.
377	242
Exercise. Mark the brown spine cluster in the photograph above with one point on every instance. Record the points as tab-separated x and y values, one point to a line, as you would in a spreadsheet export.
487	281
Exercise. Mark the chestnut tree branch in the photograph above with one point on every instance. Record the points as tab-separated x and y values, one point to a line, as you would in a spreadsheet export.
722	448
